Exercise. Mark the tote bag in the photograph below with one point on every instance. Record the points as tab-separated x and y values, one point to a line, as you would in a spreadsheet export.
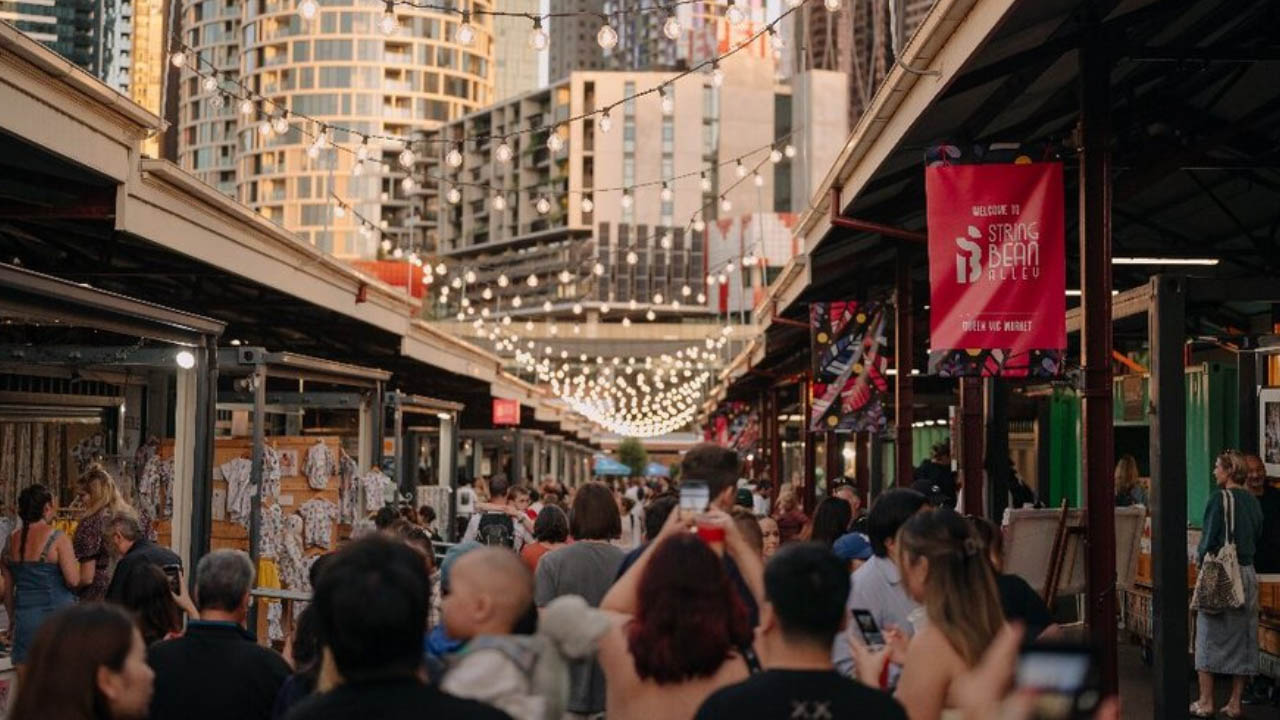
1219	586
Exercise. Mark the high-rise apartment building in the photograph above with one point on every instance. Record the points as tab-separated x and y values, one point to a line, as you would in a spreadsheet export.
352	79
625	198
72	28
515	61
573	38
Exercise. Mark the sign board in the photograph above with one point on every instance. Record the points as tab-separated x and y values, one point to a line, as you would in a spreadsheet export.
506	412
997	274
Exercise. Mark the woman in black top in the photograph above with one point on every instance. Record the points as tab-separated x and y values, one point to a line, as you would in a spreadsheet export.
1017	598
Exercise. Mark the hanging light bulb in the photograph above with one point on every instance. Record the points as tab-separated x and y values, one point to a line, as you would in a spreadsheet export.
532	281
717	74
657	298
588	204
734	14
466	33
651	316
307	9
441	270
499	203
217	101
723	279
397	253
453	195
775	40
627	201
665	241
740	169
503	280
456	283
704	182
699	224
665	194
246	107
178	58
632	257
357	169
604	122
487	294
775	156
671	27
542	205
577	308
789	150
406	158
503	152
209	83
546	307
725	205
598	269
264	128
470	276
604	309
626	322
386	244
387	23
831	5
666	100
555	143
453	158
517	301
362	152
280	124
607	37
538	39
757	179
685	290
406	184
702	298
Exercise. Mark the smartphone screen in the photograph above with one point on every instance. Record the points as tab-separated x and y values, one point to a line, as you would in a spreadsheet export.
174	573
694	496
1061	679
871	634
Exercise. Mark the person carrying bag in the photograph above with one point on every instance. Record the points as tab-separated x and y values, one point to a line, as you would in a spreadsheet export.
1219	585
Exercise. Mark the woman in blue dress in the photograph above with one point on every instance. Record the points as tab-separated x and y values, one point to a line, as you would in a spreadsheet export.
40	568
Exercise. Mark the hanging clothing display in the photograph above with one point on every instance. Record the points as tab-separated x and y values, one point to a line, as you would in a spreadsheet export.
375	486
155	483
270	531
293	573
319	466
318	516
88	450
348	498
270	473
237	472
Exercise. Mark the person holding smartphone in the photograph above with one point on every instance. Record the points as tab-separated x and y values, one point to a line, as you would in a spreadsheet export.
131	546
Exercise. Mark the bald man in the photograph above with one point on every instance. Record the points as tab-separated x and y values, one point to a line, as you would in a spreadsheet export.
1267	559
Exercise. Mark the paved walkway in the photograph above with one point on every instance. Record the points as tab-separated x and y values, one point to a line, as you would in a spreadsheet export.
1136	695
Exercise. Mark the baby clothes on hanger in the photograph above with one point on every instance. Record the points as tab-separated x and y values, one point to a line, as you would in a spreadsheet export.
270	473
275	616
375	484
270	531
348	498
237	472
319	466
318	516
293	575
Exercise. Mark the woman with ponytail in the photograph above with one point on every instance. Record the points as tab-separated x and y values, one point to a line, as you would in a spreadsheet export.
945	569
101	500
40	568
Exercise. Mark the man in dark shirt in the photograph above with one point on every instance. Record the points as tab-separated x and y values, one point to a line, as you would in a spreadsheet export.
134	549
371	606
935	479
1267	558
216	670
805	588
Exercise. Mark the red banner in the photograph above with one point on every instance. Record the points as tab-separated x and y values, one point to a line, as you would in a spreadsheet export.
506	412
996	269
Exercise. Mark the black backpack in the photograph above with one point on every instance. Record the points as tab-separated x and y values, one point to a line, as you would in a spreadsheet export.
496	529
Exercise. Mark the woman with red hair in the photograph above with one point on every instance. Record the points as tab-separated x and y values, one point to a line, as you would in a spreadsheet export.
680	632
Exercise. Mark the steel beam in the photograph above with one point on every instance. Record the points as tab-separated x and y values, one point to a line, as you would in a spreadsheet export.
775	438
1167	322
259	381
1097	446
903	384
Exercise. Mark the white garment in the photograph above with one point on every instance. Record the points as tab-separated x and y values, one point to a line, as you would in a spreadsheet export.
466	501
375	485
318	517
293	574
270	531
319	466
240	490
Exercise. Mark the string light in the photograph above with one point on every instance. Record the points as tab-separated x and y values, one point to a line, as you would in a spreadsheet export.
538	39
542	205
406	158
179	59
666	101
757	179
307	9
775	156
607	37
453	195
734	14
587	204
466	32
725	204
704	182
499	203
604	122
503	153
627	201
387	23
671	27
555	143
665	194
740	169
246	107
831	5
717	74
281	123
789	150
453	158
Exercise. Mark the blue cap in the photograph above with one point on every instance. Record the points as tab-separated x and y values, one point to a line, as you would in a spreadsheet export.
853	546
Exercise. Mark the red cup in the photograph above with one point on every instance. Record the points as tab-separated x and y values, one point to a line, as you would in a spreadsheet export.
710	533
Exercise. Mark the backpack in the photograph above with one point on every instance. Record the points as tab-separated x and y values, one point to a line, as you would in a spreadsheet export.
497	529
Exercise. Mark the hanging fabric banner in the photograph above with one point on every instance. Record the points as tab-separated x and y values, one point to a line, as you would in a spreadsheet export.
506	412
848	347
997	271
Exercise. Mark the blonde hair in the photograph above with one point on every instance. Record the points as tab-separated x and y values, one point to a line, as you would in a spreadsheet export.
1126	475
101	491
1234	463
787	498
960	595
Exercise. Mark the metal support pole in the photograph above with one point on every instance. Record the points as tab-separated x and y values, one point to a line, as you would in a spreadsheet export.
998	458
1247	391
775	440
862	461
875	462
810	440
833	460
903	384
197	520
1097	446
404	478
259	379
1168	411
971	461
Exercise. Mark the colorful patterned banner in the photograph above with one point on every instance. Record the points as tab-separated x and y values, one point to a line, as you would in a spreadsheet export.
848	348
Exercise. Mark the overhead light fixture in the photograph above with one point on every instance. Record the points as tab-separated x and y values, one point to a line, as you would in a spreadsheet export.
1164	261
1077	293
185	359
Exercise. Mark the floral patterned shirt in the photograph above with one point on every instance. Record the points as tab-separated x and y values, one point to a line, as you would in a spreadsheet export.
90	543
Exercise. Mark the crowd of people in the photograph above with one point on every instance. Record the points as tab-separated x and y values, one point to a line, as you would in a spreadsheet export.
549	608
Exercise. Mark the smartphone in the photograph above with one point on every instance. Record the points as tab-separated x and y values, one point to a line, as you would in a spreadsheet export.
866	623
174	573
694	497
1063	680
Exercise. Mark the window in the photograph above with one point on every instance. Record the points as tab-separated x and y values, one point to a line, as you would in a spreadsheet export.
628	91
335	77
333	50
315	214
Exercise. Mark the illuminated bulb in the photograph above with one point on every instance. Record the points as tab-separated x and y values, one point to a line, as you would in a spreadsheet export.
453	158
604	122
626	322
517	301
216	102
179	59
246	107
546	307
456	283
577	308
588	204
466	33
666	100
704	182
441	269
711	280
665	195
506	319
406	184
725	205
740	169
555	143
699	224
465	302
542	205
339	212
775	156
499	203
532	281
538	39
723	279
651	316
776	41
406	158
397	254
598	269
717	75
565	277
757	179
387	24
357	169
470	276
789	150
627	200
675	304
210	83
453	195
734	14
503	152
264	128
386	245
607	37
831	5
362	152
461	317
632	258
604	309
503	280
686	290
307	9
657	298
280	124
702	298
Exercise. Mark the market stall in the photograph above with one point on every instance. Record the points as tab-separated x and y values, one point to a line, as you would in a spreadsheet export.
421	447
